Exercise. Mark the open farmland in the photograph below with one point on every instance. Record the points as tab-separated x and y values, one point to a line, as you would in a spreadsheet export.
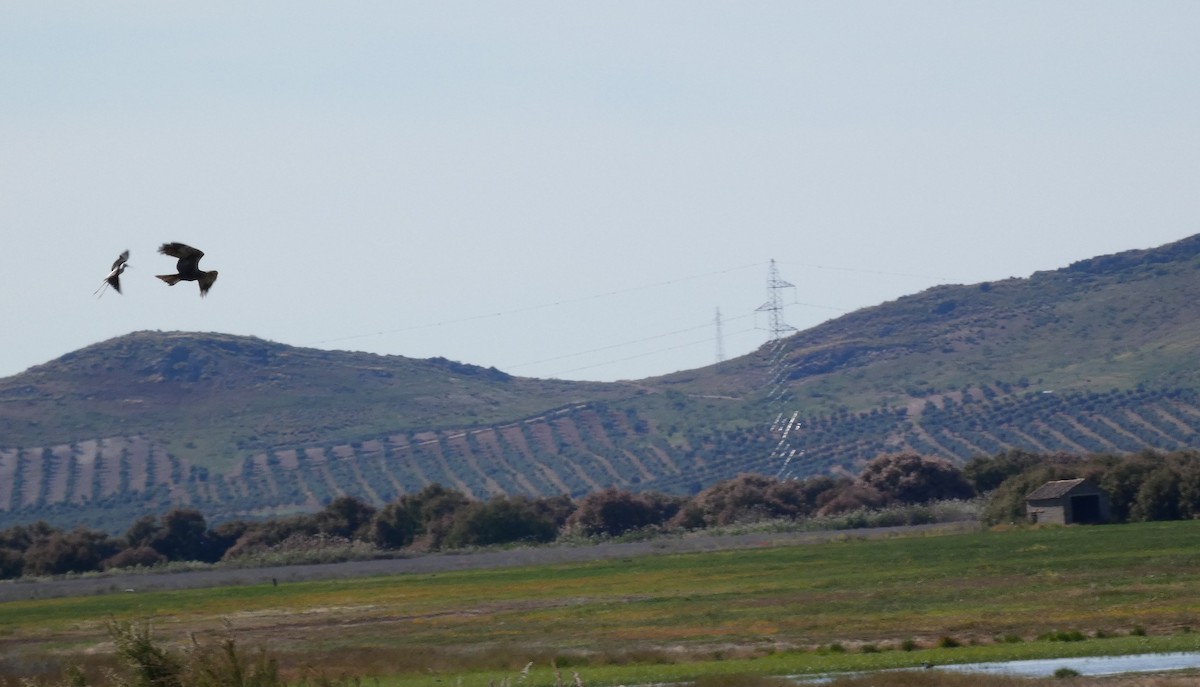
778	609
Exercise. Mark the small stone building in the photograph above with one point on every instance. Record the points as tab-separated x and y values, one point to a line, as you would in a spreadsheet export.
1068	502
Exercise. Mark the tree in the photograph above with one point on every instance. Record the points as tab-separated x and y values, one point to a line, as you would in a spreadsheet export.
184	536
1123	481
260	536
15	542
80	550
224	536
749	497
909	478
848	495
986	473
12	563
394	526
1157	497
612	512
435	507
1189	485
436	503
498	521
143	531
346	517
19	537
557	508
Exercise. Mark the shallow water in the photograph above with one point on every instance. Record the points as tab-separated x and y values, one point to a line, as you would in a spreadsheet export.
1045	667
1084	665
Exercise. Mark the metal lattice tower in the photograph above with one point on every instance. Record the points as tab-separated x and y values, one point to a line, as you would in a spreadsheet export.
720	338
784	425
774	305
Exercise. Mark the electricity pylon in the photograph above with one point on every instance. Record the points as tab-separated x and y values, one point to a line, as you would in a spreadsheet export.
720	338
774	305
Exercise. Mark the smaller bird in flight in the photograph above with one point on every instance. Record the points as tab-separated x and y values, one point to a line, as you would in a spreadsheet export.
114	276
188	267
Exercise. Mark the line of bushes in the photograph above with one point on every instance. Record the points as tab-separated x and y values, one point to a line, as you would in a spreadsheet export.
1144	486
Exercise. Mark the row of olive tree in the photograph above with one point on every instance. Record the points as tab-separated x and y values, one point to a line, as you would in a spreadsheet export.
1146	486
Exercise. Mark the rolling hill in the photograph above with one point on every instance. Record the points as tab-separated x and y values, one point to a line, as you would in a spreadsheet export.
1099	356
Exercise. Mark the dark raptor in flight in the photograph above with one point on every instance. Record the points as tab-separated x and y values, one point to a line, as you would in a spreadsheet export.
188	267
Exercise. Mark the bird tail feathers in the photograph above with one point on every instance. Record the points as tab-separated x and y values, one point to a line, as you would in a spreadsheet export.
206	281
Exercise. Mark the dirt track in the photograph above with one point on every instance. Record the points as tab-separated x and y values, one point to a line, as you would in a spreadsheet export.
439	562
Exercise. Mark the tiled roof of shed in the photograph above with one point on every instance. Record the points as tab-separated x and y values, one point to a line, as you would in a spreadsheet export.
1055	489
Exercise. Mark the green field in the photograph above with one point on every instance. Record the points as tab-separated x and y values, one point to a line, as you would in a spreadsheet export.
850	604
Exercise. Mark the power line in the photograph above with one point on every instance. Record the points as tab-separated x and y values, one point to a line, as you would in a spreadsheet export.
860	270
627	343
647	353
617	292
542	306
774	307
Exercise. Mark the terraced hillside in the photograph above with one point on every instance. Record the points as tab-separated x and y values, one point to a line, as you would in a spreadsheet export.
982	421
577	450
572	450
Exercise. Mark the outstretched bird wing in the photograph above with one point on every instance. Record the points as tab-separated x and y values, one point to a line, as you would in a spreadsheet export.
121	260
189	258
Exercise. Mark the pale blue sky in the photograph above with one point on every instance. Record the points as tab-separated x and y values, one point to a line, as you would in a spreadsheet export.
566	189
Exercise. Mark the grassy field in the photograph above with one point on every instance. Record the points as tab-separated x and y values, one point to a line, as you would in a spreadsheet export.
843	605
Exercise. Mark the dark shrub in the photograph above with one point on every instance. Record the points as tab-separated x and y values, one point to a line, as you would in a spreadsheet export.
613	512
751	497
909	478
79	550
184	536
499	521
345	517
394	526
143	556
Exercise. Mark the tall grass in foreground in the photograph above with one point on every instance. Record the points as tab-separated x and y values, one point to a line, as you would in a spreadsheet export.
145	662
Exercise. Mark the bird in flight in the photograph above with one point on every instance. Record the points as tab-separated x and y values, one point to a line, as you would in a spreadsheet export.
188	267
114	276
